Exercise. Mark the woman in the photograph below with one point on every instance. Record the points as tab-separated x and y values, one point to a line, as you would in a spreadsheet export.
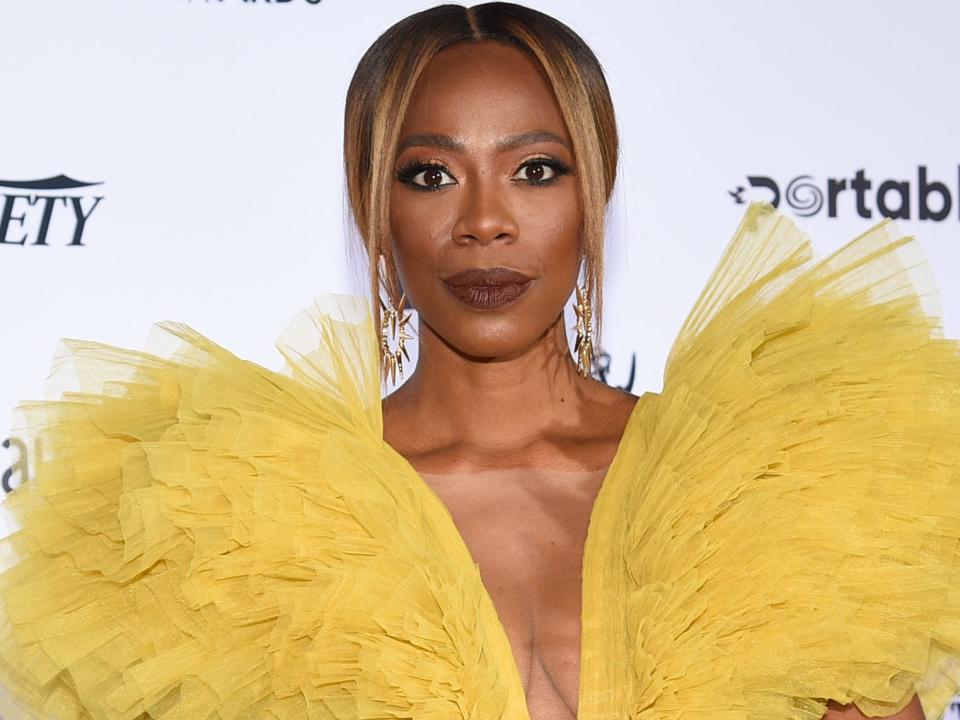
774	535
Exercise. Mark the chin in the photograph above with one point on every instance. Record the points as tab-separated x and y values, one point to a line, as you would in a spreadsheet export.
489	337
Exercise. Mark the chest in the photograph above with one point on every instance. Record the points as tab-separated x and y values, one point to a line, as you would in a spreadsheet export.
526	531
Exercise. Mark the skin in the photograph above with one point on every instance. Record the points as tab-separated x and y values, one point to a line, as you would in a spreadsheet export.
913	711
476	369
500	389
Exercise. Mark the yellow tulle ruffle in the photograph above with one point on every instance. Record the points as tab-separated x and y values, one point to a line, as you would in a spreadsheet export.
204	537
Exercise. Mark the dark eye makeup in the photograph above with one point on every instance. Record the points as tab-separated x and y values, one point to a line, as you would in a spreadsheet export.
407	172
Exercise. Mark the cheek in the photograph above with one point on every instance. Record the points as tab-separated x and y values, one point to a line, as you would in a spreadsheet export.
414	214
554	229
418	227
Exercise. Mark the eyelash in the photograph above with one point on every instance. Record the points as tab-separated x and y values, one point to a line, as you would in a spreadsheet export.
410	170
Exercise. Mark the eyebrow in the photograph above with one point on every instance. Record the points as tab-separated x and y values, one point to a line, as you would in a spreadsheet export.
445	142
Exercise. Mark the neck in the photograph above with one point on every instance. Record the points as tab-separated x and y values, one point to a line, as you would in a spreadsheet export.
505	402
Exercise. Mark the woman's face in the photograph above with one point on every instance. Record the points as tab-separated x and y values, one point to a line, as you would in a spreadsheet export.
484	179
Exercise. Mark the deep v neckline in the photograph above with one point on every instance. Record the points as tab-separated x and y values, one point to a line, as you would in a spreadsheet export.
500	645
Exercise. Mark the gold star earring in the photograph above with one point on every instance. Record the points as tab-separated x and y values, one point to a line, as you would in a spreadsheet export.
583	346
393	330
393	327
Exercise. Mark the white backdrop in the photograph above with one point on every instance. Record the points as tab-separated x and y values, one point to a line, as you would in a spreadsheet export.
213	129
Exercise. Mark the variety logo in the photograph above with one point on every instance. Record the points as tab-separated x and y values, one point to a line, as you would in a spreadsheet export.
926	198
33	210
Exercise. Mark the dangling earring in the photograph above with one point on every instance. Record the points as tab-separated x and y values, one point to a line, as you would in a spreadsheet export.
584	343
393	327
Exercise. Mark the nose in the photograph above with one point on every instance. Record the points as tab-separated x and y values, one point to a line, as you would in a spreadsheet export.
485	214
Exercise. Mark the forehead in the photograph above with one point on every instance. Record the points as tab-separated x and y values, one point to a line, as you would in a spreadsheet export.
481	91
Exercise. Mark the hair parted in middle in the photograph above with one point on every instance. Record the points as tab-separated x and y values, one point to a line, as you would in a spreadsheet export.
384	81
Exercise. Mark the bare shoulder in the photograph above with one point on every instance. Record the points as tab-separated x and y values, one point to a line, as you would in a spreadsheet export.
601	425
913	711
613	407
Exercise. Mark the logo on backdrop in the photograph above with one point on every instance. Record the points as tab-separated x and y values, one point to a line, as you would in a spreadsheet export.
601	369
923	197
52	211
18	467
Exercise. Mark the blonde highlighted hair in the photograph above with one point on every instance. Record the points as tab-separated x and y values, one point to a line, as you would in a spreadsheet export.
380	93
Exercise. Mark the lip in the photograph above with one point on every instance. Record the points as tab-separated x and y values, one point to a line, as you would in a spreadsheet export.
486	277
487	288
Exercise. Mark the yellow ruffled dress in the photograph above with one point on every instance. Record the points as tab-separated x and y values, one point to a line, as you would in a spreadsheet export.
208	538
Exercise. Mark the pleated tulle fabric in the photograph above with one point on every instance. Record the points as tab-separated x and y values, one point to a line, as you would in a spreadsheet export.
208	538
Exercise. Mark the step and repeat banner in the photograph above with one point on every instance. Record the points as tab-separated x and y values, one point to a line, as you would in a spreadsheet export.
182	159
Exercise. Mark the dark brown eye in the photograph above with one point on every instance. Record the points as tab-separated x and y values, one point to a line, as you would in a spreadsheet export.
425	176
541	172
535	172
432	177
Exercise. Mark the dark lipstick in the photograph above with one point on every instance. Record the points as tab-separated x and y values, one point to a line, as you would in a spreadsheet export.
487	288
